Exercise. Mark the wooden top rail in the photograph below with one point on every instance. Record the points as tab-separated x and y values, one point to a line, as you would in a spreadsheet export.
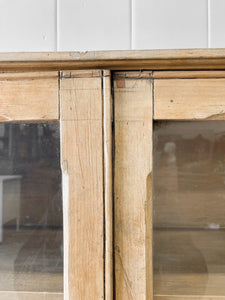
201	59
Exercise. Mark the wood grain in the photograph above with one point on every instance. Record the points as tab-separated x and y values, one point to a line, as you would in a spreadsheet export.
132	188
28	75
82	74
188	74
134	108
108	191
190	297
30	296
81	101
29	97
82	164
133	74
189	99
201	59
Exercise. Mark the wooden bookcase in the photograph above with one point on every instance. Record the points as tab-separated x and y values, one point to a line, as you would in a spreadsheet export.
106	103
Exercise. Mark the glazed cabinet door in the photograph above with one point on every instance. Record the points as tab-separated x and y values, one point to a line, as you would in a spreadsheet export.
52	244
31	210
169	167
188	185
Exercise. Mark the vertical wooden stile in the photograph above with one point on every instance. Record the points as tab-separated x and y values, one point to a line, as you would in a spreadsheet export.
81	118
107	128
132	185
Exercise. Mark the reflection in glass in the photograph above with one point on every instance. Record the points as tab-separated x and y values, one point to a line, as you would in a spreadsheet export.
31	229
189	208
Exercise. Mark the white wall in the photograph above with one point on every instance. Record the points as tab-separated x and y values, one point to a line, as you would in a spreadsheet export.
80	25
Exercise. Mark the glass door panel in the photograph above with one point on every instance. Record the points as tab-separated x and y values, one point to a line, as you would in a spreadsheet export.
31	221
189	208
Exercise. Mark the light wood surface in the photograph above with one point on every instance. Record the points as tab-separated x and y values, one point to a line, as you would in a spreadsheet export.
81	74
189	99
108	191
30	296
82	163
134	74
188	74
200	59
184	297
28	75
26	97
85	122
88	104
132	188
135	107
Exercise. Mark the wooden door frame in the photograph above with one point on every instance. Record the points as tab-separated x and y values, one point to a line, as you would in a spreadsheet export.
29	97
174	95
157	66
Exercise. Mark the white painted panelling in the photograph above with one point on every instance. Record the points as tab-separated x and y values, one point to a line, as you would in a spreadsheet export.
37	25
27	25
217	24
94	25
159	24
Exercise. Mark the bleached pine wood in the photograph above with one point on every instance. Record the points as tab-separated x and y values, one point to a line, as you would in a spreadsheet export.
30	296
29	97
82	164
188	74
132	188
207	59
88	104
134	74
107	127
81	74
187	297
28	75
189	99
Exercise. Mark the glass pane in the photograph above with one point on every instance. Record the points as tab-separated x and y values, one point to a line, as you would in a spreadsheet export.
189	208
31	231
